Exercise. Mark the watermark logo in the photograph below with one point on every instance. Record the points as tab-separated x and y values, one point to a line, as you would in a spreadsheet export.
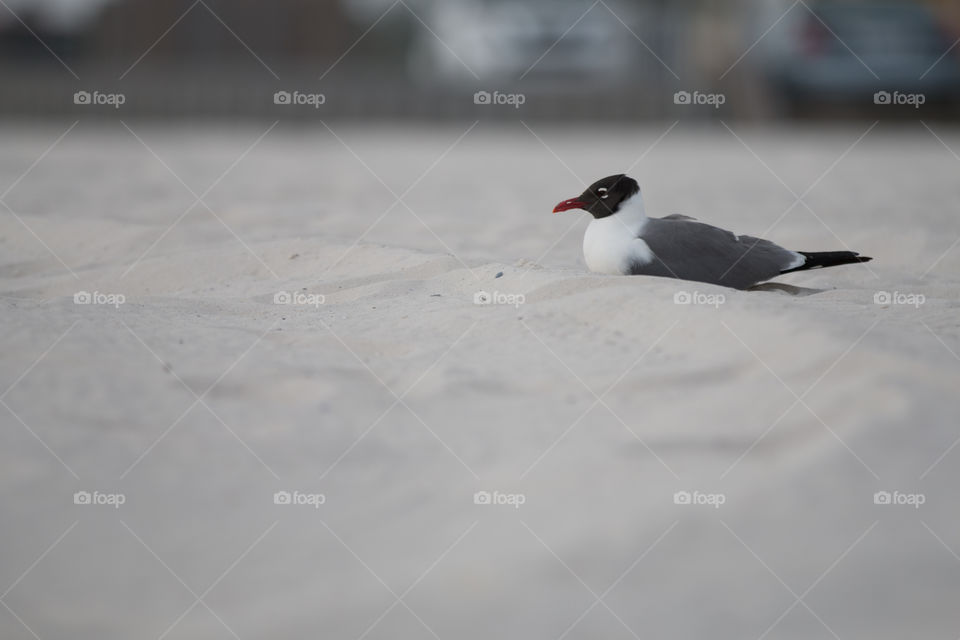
86	297
497	498
696	297
97	98
899	298
298	498
96	498
896	498
299	298
699	498
915	100
512	99
299	98
715	100
497	297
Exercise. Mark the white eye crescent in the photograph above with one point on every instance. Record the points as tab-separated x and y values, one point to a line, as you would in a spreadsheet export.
603	192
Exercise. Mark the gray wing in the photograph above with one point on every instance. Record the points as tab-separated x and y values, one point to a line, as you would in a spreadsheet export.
690	250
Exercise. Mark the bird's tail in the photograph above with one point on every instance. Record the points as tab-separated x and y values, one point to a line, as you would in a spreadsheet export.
819	259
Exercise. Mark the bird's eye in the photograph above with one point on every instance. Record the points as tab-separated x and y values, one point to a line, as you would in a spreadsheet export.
603	192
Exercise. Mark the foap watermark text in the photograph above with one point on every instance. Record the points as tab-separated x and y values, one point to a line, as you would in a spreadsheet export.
699	298
699	498
499	498
299	498
96	297
896	98
897	498
86	98
715	100
498	297
299	298
97	498
514	100
297	98
899	298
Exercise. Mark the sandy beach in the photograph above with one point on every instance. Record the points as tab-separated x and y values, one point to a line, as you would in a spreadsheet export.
247	390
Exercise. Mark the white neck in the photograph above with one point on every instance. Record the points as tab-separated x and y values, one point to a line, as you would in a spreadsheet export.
612	244
631	214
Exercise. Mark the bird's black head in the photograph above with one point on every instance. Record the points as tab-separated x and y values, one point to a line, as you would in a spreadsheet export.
603	197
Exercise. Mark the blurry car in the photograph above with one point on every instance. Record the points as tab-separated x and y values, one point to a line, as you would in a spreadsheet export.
812	56
504	39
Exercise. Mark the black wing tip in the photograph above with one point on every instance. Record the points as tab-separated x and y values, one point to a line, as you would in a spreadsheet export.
840	256
820	259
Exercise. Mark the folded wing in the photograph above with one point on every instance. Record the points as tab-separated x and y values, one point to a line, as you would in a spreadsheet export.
685	248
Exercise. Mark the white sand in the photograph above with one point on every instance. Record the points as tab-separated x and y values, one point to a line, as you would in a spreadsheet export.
493	397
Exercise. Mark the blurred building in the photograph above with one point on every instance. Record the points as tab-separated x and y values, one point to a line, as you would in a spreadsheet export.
426	58
282	29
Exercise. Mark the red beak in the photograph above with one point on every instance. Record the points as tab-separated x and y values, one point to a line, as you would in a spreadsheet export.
566	205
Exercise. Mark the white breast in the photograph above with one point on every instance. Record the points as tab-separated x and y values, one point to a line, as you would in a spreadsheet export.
611	244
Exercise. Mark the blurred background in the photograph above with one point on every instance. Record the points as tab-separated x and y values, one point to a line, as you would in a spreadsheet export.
426	59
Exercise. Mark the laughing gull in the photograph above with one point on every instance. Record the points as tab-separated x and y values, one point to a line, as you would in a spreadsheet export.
622	240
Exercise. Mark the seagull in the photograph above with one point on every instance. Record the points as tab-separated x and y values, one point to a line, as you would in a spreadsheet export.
622	240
